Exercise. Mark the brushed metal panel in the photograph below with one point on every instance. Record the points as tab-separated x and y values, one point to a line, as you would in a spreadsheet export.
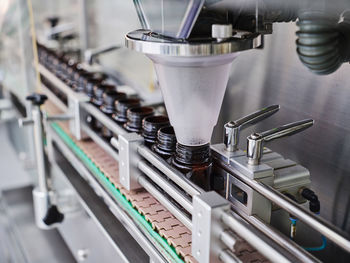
275	75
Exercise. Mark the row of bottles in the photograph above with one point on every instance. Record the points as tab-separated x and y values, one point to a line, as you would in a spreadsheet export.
193	161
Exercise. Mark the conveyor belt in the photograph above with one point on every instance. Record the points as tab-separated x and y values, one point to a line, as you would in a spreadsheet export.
162	222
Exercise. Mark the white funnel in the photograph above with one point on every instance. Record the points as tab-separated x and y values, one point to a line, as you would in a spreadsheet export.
193	89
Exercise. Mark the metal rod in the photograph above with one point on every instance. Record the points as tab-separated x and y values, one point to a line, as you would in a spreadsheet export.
229	240
115	143
100	142
54	98
39	149
61	85
319	224
59	117
164	201
166	186
286	243
103	118
172	173
83	26
264	248
227	257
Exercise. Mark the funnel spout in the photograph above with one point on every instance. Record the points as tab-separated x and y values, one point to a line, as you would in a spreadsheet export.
193	89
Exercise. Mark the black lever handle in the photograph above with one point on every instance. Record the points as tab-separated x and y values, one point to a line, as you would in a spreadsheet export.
37	99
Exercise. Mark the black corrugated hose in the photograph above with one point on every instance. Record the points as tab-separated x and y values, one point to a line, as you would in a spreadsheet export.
323	43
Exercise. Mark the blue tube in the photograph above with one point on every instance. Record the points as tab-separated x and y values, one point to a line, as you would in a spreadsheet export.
323	246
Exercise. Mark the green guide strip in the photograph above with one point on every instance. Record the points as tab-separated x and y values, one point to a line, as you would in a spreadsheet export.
119	197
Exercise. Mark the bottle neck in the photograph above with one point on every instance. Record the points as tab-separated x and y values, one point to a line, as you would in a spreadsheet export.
192	155
166	142
121	109
151	125
135	116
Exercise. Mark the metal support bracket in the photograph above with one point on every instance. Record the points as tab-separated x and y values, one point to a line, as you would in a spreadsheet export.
74	110
207	226
128	160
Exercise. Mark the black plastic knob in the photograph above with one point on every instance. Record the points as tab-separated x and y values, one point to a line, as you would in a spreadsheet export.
54	20
37	99
53	216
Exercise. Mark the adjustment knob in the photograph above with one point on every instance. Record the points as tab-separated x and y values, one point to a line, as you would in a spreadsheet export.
53	216
37	99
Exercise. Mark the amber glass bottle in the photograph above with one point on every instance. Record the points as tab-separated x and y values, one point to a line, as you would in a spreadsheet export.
97	100
195	163
150	127
108	107
135	117
166	142
121	109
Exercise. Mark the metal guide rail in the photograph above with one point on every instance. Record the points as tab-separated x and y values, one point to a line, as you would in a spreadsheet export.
142	168
164	222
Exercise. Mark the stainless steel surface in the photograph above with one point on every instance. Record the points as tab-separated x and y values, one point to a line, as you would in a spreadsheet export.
84	37
41	203
207	226
166	186
264	248
228	239
144	41
319	224
255	142
232	128
227	257
39	149
166	202
275	75
221	32
172	173
114	142
128	160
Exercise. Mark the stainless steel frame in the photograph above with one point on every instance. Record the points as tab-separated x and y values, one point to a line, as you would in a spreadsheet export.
161	168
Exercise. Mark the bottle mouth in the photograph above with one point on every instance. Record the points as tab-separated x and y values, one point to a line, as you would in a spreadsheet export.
166	139
192	155
135	116
99	91
151	125
89	88
109	98
122	106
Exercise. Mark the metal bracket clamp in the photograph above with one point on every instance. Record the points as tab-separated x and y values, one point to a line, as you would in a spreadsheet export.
255	142
74	110
46	212
207	227
128	160
232	128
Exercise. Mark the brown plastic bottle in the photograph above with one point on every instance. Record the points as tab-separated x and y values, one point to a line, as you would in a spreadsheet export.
135	117
97	100
195	163
122	106
166	142
108	107
150	127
